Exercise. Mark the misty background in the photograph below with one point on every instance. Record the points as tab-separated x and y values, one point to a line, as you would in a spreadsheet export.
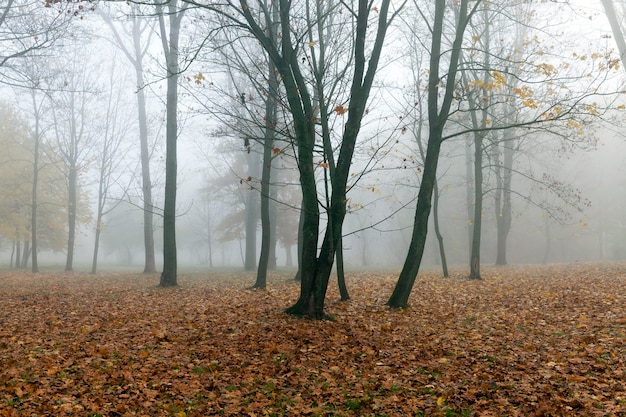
567	187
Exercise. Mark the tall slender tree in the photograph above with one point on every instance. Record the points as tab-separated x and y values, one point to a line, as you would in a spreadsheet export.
170	36
135	51
440	82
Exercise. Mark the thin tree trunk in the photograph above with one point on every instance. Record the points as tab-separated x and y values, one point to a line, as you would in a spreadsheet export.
503	203
13	247
478	207
33	213
251	226
341	276
437	118
169	274
26	254
442	251
289	257
146	181
272	261
209	236
18	251
71	217
266	176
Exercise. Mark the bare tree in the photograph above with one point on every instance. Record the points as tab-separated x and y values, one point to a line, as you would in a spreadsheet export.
74	138
135	51
109	158
170	41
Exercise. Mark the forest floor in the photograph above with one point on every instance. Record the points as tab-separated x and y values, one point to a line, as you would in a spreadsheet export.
524	341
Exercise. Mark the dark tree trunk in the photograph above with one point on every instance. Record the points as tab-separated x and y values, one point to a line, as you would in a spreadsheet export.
437	118
400	296
26	254
299	246
478	207
478	104
341	276
442	251
169	274
268	147
96	247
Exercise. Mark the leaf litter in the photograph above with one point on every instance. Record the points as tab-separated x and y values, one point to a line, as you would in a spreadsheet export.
524	341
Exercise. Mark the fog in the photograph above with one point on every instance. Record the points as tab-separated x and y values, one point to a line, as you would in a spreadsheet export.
567	192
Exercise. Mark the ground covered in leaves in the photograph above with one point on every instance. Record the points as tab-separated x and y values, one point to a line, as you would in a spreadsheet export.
531	341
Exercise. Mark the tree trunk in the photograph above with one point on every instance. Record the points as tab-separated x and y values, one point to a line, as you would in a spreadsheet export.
478	207
146	181
289	258
341	276
96	246
13	247
71	217
469	192
272	261
18	252
26	254
479	105
34	202
209	236
169	274
266	178
437	117
400	296
503	202
442	251
299	246
251	225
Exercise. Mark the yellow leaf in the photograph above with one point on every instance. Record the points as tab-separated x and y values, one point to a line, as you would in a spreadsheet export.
441	401
311	44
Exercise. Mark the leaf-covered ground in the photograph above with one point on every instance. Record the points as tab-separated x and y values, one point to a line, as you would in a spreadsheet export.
532	341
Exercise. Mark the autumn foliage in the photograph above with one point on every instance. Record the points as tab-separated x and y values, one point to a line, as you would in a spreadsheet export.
532	341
